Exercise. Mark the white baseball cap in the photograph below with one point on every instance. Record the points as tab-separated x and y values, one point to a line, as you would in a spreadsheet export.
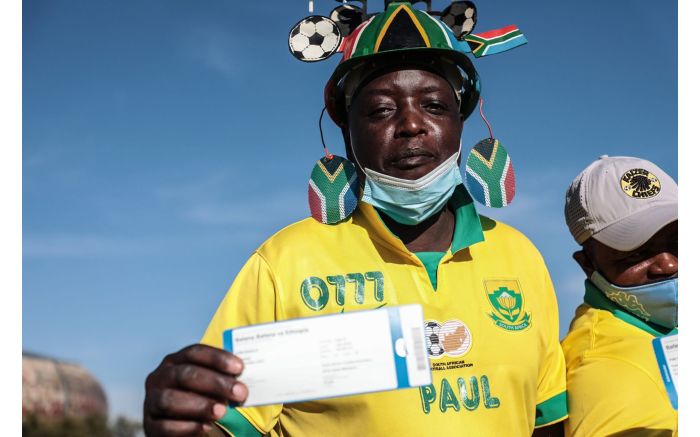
621	202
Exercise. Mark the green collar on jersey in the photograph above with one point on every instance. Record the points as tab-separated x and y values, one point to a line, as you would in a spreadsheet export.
431	261
468	229
595	298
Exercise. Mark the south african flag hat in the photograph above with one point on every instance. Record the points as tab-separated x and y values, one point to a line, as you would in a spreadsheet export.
401	34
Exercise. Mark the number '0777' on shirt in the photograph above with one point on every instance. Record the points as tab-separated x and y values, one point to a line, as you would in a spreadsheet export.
331	356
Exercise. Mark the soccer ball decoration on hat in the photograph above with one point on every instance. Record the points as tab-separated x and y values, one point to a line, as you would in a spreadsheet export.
394	35
314	38
460	17
347	18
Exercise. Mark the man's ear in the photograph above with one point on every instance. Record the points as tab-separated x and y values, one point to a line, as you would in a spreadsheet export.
586	265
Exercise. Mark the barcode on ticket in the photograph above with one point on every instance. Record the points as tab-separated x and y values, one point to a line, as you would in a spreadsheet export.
419	347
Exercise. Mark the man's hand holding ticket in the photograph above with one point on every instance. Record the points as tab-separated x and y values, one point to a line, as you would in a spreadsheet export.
330	356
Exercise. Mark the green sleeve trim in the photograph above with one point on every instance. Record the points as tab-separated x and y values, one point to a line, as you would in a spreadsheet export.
552	410
236	425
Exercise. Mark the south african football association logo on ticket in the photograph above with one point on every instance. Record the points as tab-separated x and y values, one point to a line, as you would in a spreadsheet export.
506	299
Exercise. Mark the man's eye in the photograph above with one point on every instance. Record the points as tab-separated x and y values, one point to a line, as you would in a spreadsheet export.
639	254
381	110
435	106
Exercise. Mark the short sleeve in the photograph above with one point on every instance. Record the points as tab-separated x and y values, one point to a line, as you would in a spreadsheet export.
251	299
601	403
551	382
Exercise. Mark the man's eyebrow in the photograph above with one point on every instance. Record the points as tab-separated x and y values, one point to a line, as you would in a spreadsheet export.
430	89
388	91
379	91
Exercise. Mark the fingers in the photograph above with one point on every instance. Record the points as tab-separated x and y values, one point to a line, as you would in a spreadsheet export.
177	368
207	382
175	428
189	390
207	356
173	403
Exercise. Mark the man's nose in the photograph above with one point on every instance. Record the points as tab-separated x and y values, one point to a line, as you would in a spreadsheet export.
664	264
410	122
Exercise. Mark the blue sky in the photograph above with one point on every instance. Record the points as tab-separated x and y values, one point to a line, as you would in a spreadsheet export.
165	140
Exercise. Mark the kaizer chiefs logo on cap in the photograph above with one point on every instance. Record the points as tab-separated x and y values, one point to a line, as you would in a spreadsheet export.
640	184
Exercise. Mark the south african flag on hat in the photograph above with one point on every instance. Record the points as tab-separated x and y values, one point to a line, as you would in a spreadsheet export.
495	41
397	33
401	27
490	176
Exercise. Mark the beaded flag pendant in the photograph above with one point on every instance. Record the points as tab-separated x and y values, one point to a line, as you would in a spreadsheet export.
490	176
334	189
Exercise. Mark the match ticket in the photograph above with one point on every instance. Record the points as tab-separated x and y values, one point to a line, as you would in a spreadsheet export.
666	351
329	356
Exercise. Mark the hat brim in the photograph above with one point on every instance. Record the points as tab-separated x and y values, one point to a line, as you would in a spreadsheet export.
635	230
334	98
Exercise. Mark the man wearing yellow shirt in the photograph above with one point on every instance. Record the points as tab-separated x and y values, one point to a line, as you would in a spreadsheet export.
491	314
624	213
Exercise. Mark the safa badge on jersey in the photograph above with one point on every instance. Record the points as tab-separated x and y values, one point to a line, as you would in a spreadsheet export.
452	338
507	303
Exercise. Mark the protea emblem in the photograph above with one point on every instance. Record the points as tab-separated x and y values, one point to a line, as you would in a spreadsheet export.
506	300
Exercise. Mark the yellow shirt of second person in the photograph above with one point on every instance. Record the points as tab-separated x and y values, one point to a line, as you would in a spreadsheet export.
613	380
492	324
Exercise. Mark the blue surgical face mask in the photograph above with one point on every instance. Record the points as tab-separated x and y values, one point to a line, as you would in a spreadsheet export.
412	201
656	302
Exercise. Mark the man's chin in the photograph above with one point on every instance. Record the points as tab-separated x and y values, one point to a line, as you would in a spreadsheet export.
412	171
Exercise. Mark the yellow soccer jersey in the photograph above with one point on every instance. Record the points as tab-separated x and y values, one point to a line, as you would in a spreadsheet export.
613	380
491	326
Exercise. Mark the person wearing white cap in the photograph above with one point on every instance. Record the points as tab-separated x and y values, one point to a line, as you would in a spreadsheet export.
623	211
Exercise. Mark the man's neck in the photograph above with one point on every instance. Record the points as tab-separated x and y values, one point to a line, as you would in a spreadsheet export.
433	235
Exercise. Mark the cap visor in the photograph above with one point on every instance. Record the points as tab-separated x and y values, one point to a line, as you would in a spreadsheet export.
635	230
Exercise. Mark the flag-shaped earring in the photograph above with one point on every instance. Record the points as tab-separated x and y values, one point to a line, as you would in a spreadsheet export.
490	176
334	189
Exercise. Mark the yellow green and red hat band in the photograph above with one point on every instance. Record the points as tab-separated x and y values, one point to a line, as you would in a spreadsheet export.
403	35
